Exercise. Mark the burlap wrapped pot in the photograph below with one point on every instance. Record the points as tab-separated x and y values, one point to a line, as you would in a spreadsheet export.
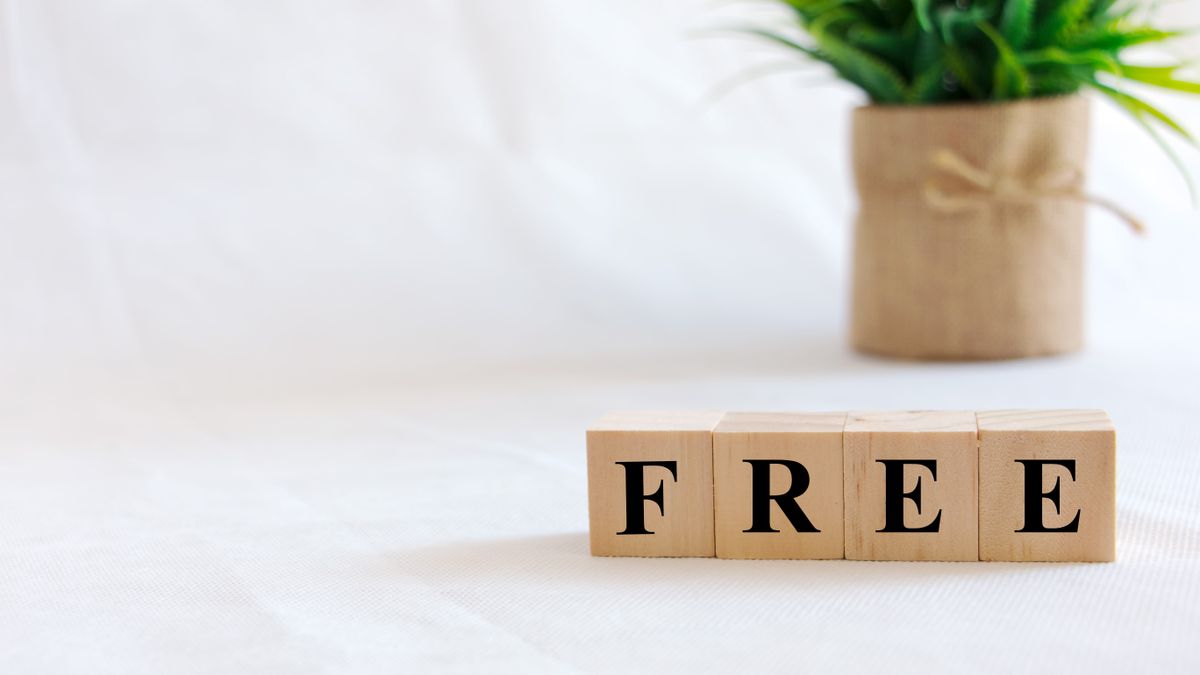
969	240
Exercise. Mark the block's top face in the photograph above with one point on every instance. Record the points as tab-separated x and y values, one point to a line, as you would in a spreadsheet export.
787	422
1044	420
912	421
703	420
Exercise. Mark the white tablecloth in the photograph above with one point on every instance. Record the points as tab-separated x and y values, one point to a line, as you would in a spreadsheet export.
306	306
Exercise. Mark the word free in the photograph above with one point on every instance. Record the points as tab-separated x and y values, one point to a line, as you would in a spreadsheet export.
1015	485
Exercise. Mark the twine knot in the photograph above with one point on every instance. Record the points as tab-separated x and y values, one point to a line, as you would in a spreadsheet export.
988	189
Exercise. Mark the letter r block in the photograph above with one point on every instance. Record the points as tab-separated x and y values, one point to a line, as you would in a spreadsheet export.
1047	485
650	484
778	485
911	486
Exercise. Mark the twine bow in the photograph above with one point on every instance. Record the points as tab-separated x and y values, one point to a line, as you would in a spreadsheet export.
987	189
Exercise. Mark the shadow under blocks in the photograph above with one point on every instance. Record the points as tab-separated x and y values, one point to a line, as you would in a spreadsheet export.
1010	485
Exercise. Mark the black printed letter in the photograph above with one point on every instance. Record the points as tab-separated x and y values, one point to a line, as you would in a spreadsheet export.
1034	495
761	497
894	495
635	514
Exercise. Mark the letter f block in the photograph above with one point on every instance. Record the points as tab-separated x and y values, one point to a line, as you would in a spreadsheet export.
778	485
1047	489
650	484
911	486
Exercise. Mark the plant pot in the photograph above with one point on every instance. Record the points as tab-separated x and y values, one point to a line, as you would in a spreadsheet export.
968	242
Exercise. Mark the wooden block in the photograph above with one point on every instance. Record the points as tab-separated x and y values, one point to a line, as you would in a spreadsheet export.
1047	485
650	484
778	485
911	486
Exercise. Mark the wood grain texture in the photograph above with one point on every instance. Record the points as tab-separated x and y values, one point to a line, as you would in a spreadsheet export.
947	438
814	440
684	528
1085	437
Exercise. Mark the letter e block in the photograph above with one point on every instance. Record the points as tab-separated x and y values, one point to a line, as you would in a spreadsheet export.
778	485
650	484
911	486
1047	487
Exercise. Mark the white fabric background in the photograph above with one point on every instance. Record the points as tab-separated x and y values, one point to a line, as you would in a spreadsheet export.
306	306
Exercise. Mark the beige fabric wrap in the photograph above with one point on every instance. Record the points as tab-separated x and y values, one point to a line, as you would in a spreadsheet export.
945	268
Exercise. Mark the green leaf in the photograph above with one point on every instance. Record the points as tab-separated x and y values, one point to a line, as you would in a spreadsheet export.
896	12
1053	83
1065	17
966	71
926	52
1016	22
1159	76
780	39
1136	108
1113	40
887	45
805	9
880	80
952	21
828	22
1101	8
868	10
1094	59
1142	110
929	86
810	10
1011	79
921	7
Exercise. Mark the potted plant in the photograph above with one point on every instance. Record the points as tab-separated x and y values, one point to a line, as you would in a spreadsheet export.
969	161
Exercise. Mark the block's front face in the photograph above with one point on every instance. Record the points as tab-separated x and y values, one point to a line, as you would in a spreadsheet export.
1047	486
911	486
778	485
650	485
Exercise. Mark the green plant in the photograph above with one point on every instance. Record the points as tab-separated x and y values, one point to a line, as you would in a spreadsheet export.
918	52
